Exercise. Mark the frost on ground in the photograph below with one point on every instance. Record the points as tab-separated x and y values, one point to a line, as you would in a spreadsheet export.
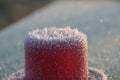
94	74
19	75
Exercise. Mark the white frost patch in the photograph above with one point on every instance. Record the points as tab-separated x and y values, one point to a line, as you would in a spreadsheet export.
19	75
54	36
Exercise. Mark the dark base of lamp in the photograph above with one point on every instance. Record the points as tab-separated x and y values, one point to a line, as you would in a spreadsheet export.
94	74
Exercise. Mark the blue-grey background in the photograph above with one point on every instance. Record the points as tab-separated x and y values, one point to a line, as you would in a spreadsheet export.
100	20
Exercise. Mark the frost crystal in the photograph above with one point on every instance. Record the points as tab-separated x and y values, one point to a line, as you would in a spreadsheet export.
55	36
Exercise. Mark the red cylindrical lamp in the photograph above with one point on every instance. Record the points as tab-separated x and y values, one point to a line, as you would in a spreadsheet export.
56	54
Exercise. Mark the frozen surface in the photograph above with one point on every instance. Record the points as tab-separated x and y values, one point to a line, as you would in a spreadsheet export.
52	33
48	37
99	20
19	75
94	74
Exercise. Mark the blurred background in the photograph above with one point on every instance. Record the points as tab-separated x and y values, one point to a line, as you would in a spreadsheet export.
12	10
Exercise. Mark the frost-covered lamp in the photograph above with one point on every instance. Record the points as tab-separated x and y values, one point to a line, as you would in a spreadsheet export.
57	54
